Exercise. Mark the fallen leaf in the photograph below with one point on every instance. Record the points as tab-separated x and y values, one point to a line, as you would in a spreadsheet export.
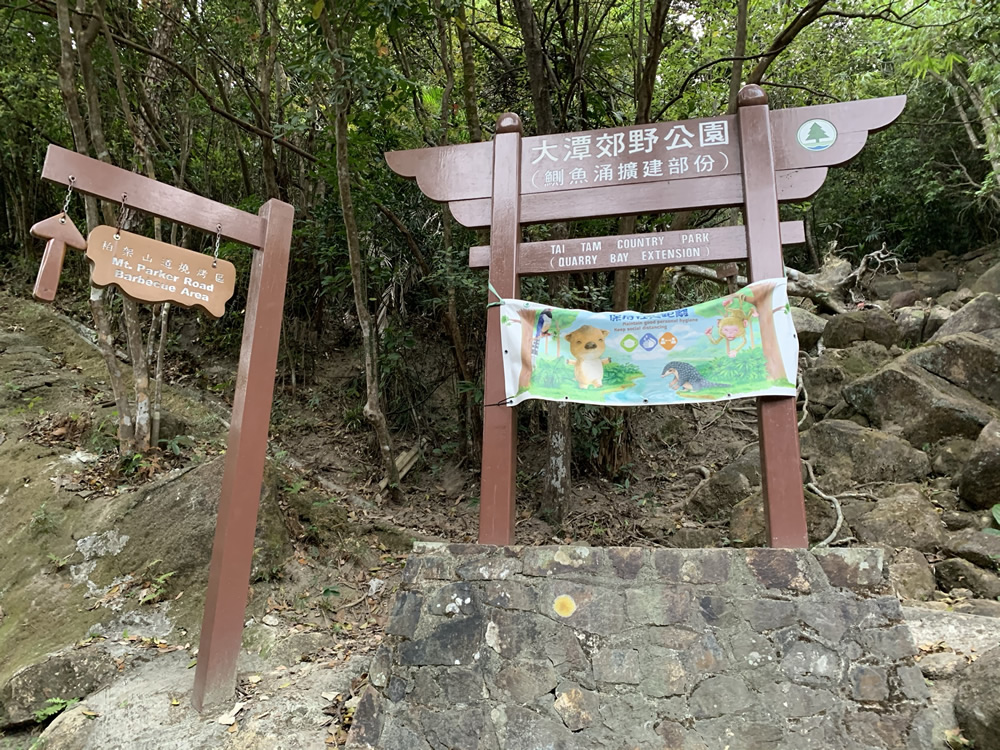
229	718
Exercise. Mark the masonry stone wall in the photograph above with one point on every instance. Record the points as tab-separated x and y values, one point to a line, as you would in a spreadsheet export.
573	648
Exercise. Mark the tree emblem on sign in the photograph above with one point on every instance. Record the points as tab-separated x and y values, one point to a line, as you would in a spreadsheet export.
816	135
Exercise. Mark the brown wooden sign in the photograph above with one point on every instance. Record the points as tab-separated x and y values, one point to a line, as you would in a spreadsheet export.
754	159
710	245
603	172
148	270
139	266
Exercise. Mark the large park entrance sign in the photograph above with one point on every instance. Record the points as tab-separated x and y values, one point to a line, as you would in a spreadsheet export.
151	271
755	159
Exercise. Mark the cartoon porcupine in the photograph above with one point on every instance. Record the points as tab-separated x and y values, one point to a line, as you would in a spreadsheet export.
687	378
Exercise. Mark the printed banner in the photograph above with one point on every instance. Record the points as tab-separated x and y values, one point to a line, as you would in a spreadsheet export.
738	346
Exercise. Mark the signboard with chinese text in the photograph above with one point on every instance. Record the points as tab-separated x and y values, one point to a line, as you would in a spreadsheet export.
151	271
643	153
738	346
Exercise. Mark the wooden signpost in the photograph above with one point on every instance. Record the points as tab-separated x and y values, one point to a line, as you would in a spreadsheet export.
153	271
754	159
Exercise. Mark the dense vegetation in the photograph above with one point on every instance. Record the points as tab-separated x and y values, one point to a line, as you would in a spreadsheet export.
243	102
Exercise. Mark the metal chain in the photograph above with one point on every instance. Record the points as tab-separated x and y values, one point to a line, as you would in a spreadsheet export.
69	194
218	239
123	214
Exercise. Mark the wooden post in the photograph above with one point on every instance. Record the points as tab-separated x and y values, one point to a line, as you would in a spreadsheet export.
781	473
497	483
232	551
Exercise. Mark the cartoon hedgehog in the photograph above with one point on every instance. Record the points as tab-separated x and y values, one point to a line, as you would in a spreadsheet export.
687	378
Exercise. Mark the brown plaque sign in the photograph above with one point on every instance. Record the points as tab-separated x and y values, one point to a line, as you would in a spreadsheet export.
151	271
712	245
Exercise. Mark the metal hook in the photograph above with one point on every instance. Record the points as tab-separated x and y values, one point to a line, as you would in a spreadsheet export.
123	213
218	239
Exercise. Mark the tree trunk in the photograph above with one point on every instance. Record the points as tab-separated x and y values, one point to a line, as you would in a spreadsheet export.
373	405
468	76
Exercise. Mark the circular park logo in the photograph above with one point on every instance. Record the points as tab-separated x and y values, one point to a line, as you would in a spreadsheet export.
816	135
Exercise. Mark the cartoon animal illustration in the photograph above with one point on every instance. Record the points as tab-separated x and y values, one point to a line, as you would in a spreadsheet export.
586	344
734	325
687	379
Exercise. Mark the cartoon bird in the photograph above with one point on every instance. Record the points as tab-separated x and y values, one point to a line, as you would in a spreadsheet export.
687	379
543	329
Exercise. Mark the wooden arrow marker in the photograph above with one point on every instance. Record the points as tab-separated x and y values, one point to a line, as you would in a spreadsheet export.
59	231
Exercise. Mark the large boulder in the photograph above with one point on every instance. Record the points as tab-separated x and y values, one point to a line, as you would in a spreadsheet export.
956	573
911	575
67	676
989	281
937	316
904	518
845	454
965	360
808	326
922	395
981	315
834	368
973	545
727	487
977	702
926	283
861	325
748	529
910	321
979	484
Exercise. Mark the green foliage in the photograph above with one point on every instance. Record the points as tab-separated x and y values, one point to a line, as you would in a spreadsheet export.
43	521
748	366
54	707
154	586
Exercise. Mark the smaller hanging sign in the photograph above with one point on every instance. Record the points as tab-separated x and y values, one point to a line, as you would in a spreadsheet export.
737	346
151	271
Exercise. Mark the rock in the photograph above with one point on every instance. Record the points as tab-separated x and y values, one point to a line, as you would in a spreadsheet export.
929	263
980	315
978	607
845	454
989	281
68	731
861	325
937	316
911	575
808	326
954	300
904	299
956	573
834	368
965	360
980	477
949	456
973	545
905	518
884	287
933	283
941	665
977	702
922	395
746	520
910	321
74	673
727	487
